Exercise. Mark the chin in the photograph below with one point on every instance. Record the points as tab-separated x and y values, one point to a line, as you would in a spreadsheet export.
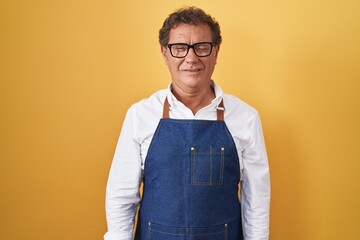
195	81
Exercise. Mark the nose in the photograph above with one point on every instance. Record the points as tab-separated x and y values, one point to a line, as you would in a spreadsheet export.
191	56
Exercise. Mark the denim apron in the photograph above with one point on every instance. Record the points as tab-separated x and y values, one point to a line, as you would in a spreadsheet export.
191	178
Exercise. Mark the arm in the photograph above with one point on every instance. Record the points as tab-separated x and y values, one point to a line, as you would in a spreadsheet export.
255	188
122	192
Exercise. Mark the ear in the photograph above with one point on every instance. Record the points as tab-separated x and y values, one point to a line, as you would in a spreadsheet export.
164	50
217	49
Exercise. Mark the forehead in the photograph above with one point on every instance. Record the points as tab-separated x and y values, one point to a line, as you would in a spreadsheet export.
190	33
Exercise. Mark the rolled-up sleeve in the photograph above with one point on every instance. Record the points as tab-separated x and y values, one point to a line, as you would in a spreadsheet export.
122	191
255	186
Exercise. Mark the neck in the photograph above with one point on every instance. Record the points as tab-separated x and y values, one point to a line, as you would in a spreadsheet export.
194	98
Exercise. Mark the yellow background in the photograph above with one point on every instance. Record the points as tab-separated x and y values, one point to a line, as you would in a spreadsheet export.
71	68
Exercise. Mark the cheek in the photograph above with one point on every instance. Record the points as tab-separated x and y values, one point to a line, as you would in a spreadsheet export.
176	64
210	69
210	64
174	67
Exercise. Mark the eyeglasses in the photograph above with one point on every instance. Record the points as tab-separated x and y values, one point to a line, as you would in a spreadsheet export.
181	50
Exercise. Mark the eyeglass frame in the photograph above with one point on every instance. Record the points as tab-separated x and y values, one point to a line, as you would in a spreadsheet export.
212	44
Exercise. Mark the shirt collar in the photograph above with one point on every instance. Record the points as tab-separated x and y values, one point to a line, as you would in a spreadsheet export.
215	102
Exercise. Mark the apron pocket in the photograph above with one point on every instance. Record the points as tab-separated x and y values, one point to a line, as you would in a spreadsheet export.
207	165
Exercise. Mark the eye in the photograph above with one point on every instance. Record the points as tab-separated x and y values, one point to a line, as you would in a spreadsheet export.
179	48
203	47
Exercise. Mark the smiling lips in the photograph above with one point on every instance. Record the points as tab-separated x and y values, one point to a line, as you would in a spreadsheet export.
192	70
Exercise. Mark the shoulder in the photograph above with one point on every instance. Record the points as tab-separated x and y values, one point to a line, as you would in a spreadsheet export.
151	105
235	106
242	120
240	117
146	114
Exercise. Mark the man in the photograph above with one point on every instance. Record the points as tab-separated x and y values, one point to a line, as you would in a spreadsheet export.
191	145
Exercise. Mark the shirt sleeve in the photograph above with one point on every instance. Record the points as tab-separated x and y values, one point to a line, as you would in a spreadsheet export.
122	191
255	186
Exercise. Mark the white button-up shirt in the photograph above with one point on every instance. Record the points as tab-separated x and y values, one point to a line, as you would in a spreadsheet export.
142	118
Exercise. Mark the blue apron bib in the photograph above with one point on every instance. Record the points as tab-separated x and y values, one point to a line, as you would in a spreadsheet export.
191	178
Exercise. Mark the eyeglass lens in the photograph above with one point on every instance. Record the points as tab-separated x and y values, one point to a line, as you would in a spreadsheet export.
180	50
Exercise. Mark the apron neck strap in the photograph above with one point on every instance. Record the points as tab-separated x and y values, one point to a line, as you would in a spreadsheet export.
166	109
220	110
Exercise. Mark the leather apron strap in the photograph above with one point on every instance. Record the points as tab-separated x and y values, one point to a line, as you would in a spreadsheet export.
166	109
220	110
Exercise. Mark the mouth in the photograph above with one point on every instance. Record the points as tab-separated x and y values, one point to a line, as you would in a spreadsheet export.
192	70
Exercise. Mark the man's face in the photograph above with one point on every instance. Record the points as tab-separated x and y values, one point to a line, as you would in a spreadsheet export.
190	72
